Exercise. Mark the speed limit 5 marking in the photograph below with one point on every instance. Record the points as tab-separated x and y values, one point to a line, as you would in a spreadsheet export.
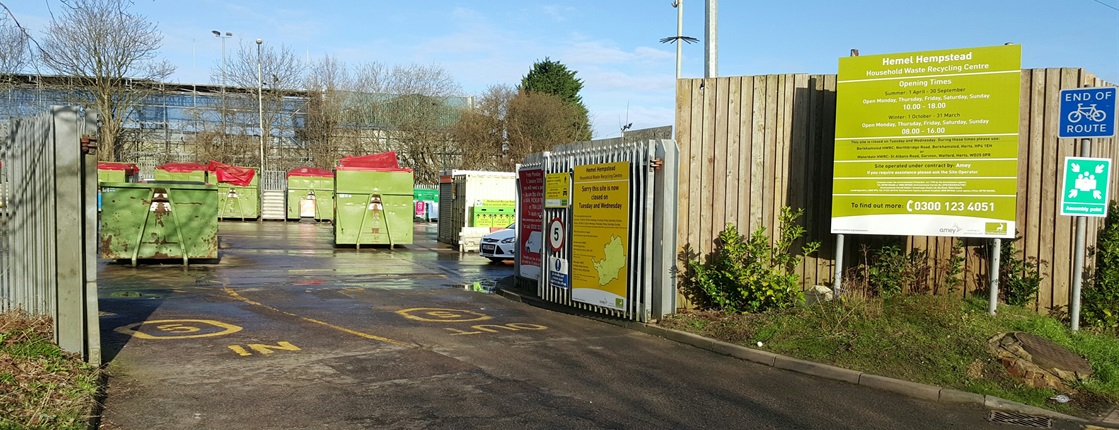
556	234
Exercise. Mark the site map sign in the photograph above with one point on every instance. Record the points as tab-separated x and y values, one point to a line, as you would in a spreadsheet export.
926	143
600	235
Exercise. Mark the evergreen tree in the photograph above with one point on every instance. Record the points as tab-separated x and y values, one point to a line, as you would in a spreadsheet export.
552	77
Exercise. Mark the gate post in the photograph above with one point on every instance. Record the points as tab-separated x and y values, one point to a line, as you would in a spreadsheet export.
665	205
76	321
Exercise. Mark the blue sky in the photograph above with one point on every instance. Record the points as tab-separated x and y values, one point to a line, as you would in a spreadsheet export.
614	44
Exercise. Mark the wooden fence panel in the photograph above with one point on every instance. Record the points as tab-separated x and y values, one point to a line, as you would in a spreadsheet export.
758	148
745	150
751	145
707	167
694	185
684	108
734	144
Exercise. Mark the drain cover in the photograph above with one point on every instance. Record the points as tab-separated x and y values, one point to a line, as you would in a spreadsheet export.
1015	418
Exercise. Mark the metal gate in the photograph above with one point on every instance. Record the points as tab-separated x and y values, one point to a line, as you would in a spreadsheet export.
650	179
48	204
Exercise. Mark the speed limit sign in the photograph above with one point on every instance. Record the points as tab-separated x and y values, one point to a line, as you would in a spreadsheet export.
556	235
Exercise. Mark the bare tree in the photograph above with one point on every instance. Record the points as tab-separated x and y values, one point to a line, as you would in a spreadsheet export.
480	132
281	74
110	53
14	53
506	125
407	109
327	130
14	57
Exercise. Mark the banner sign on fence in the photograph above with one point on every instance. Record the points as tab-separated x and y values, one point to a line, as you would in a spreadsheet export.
557	192
557	273
926	143
530	245
600	234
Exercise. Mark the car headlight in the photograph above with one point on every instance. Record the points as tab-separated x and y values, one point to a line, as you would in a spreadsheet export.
509	240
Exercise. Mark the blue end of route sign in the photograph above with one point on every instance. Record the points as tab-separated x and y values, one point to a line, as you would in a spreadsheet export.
1088	112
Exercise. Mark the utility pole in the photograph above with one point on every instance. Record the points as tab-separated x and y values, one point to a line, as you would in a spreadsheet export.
711	40
680	37
222	112
679	4
260	103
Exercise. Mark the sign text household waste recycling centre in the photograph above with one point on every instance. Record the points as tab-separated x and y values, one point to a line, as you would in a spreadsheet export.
926	143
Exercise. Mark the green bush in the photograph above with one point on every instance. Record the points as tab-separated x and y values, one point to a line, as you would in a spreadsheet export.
1019	279
748	274
885	273
888	270
955	267
1100	297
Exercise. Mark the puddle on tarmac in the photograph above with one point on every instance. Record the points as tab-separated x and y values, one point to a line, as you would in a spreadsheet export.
130	294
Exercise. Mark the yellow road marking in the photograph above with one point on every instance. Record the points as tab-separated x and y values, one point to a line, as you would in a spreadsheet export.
268	349
442	315
240	350
177	326
312	320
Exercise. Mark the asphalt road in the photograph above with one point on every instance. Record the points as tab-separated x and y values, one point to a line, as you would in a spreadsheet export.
289	332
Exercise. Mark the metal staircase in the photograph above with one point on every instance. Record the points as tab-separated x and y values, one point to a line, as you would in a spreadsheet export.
272	205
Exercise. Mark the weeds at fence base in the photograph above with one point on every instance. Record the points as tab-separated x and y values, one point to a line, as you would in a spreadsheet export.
40	385
935	340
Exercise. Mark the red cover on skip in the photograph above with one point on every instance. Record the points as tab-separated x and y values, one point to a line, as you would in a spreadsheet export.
239	176
310	171
128	168
181	167
385	161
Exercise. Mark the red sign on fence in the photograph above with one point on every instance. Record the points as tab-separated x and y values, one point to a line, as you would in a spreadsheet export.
531	228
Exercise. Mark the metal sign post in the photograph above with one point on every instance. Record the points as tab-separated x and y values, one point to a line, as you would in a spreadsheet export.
1085	113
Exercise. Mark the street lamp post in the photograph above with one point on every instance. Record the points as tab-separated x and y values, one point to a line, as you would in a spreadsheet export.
679	5
219	35
680	37
260	100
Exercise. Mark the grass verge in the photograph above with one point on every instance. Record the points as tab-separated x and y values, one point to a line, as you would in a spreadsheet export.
40	385
928	339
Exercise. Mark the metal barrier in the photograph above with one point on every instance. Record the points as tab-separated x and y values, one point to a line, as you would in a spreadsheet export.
274	180
48	204
617	223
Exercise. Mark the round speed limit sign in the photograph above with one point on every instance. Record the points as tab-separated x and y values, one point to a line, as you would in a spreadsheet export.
556	235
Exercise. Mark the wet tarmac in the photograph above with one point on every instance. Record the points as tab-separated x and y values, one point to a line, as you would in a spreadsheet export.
287	331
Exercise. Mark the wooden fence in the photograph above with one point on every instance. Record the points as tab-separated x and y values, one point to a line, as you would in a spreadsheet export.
750	145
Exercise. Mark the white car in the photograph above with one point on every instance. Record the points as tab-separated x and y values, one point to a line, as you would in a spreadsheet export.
499	245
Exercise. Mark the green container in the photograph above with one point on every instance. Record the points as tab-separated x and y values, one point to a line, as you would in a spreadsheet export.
159	220
480	216
195	176
104	176
424	194
373	207
425	201
492	216
239	202
300	190
503	216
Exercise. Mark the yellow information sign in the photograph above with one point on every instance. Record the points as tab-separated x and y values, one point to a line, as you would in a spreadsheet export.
926	143
557	190
600	234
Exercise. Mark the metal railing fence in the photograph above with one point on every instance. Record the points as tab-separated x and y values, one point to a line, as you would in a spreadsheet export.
48	195
650	229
